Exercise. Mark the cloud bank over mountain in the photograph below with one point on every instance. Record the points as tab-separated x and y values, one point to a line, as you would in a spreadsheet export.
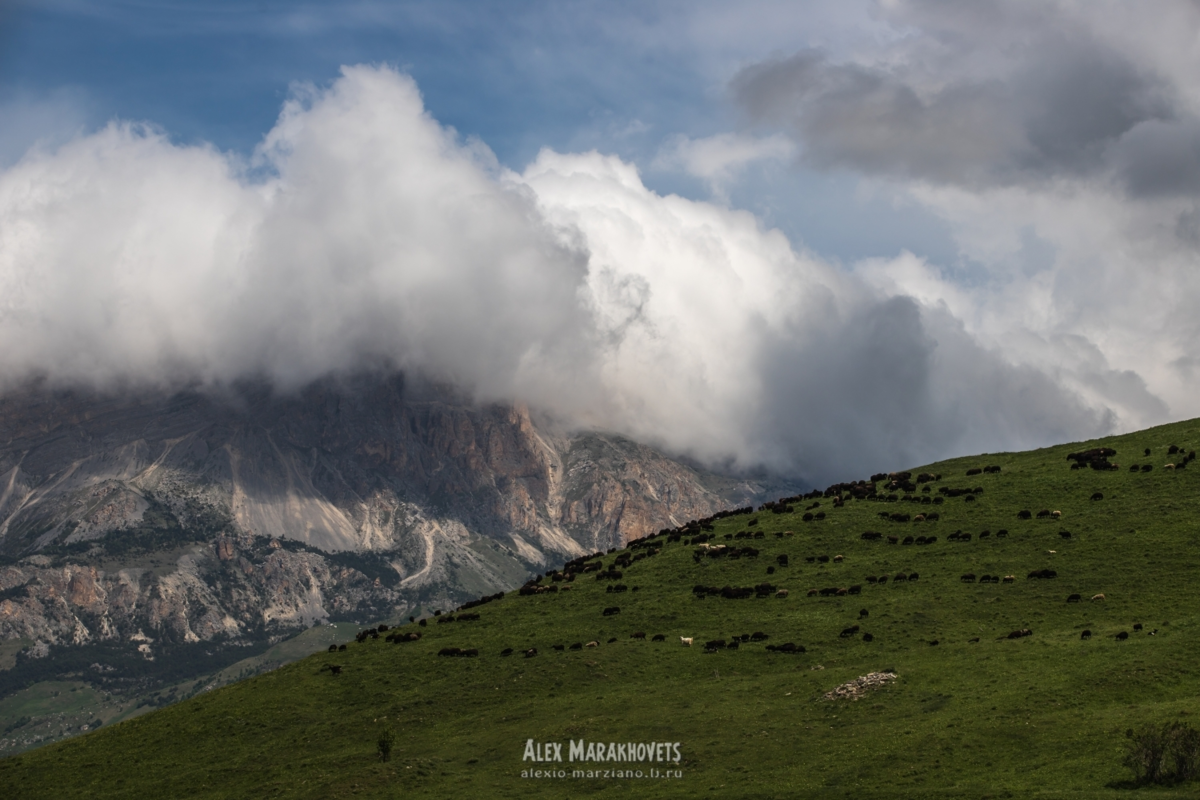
364	235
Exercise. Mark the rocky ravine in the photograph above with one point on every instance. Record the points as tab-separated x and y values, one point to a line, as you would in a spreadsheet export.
151	521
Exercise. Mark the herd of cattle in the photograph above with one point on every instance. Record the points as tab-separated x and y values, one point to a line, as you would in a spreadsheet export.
700	534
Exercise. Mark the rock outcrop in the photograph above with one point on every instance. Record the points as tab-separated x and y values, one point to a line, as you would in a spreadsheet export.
189	517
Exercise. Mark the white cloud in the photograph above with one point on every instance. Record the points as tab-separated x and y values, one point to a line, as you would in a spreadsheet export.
718	159
365	235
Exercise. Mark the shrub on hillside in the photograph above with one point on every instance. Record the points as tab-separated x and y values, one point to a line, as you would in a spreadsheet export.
386	740
1163	754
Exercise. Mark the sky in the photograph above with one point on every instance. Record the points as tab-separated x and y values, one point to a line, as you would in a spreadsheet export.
823	239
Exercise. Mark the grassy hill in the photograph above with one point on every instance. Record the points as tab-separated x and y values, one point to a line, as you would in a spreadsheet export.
969	713
51	710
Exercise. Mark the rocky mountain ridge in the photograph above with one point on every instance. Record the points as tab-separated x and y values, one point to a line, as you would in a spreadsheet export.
162	519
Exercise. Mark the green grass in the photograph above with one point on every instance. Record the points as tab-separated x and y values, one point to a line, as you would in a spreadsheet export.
1043	715
52	710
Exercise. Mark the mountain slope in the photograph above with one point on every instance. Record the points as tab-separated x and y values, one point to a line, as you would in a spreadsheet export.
969	710
151	538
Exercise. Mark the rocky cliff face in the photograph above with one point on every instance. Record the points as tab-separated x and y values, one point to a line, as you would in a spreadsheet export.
184	518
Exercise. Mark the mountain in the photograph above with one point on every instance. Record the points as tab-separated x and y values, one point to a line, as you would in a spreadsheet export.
148	537
984	626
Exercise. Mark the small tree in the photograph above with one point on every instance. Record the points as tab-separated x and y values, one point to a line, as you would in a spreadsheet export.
386	740
1183	750
1164	754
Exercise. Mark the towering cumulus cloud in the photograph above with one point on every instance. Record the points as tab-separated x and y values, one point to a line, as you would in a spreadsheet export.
363	235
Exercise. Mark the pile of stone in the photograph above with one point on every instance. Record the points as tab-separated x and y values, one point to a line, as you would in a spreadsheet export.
860	686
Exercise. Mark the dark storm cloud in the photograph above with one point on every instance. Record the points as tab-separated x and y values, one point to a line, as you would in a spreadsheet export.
899	384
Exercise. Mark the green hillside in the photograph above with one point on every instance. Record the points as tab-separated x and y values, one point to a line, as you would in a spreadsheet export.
969	712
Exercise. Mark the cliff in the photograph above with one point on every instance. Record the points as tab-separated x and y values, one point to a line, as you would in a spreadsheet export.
156	519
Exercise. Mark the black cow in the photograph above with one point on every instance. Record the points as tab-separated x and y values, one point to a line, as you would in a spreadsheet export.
848	632
1085	635
1122	636
1098	496
868	637
1024	515
658	637
968	578
608	612
1075	598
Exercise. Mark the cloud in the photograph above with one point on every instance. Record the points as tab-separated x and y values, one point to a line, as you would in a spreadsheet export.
1060	145
364	235
718	159
1058	111
369	236
722	341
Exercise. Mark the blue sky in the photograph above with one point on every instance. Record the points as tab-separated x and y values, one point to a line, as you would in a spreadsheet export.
991	208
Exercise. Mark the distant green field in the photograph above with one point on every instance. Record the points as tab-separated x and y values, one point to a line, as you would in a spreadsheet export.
1040	715
52	710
